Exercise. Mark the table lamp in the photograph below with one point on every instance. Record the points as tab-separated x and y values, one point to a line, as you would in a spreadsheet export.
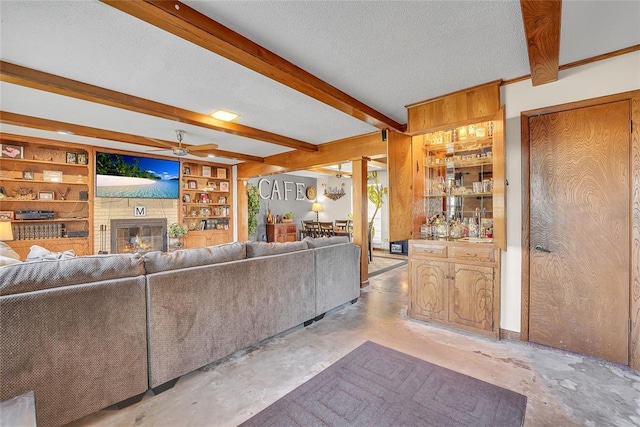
6	233
317	208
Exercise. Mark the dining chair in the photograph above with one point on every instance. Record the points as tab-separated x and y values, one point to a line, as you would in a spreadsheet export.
326	229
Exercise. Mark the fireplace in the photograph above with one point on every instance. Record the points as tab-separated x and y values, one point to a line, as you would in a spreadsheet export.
138	235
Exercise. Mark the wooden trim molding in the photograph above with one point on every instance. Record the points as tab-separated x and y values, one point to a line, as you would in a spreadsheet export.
542	30
191	25
34	79
580	63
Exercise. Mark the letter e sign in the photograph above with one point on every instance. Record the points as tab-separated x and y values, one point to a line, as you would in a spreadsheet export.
139	211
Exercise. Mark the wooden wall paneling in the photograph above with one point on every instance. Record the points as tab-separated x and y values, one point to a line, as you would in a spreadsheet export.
417	171
400	167
360	215
499	182
242	213
634	351
449	110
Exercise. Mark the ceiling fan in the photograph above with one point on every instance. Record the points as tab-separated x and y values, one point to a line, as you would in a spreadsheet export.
340	174
180	150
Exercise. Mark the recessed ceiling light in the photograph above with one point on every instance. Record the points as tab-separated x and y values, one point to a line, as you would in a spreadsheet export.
211	155
65	132
223	115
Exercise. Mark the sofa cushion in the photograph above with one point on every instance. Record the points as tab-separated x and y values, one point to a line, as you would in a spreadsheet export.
257	249
33	276
7	251
319	242
38	253
184	258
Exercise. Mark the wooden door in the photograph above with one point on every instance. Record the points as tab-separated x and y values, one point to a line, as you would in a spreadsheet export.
429	284
471	299
579	212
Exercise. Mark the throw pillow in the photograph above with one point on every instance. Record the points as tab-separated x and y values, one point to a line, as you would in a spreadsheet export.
38	253
5	260
7	251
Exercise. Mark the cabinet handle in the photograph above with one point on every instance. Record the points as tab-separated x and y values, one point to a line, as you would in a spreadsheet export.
446	276
417	167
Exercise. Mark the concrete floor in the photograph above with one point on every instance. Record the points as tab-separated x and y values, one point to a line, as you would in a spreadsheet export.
562	389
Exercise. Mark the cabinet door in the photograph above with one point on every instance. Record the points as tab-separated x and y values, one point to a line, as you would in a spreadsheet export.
428	289
471	296
195	240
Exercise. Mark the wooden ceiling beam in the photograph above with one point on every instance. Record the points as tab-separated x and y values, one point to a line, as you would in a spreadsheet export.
331	153
193	26
542	29
91	132
16	74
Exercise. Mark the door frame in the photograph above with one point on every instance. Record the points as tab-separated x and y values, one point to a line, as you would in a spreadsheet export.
634	239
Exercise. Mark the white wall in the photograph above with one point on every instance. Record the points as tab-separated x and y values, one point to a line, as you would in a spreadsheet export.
335	209
607	77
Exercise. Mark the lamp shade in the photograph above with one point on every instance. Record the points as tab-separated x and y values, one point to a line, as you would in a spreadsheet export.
316	207
6	233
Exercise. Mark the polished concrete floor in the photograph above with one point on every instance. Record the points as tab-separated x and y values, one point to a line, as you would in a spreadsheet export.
562	389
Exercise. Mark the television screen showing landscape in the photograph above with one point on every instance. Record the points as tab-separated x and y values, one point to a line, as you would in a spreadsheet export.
119	175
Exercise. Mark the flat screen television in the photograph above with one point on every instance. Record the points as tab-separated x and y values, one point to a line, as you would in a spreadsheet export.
124	176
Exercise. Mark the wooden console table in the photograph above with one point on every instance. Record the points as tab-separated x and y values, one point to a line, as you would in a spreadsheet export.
282	232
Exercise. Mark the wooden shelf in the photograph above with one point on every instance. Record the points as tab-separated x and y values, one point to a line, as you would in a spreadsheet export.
48	163
41	221
440	196
457	164
38	181
10	200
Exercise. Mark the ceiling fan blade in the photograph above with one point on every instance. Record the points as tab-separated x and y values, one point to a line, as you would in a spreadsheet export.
204	147
160	149
162	143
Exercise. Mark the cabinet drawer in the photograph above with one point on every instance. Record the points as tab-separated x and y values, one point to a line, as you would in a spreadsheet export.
426	249
475	253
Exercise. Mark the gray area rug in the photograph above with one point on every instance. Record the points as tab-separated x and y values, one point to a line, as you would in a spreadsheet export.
377	386
381	264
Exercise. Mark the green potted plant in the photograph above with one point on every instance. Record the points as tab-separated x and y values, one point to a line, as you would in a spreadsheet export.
287	217
176	233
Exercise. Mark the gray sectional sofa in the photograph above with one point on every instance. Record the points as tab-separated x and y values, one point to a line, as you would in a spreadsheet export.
90	332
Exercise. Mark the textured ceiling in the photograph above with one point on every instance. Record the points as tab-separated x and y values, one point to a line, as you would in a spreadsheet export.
386	54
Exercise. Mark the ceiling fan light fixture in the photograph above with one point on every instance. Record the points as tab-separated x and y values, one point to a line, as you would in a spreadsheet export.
224	115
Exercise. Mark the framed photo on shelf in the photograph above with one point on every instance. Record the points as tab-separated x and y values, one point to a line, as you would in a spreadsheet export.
222	200
192	185
28	175
6	215
186	198
221	173
52	176
81	159
224	186
206	171
45	195
186	170
212	186
12	151
71	158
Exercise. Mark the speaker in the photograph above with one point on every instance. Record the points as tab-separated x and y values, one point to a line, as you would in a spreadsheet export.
84	195
384	135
